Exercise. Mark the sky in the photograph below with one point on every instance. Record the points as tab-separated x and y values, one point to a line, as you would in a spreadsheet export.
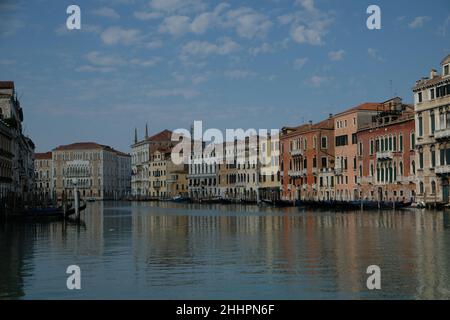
261	64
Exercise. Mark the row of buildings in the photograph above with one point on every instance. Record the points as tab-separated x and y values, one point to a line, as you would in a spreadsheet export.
375	151
380	151
16	149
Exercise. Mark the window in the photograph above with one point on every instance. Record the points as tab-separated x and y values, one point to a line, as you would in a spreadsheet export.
432	122
371	147
341	141
420	121
446	70
433	187
433	157
324	162
413	141
354	138
419	97
421	159
421	190
324	143
432	94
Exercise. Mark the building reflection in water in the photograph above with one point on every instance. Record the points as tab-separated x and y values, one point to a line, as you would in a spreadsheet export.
166	250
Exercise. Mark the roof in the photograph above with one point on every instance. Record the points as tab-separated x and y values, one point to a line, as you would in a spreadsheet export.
367	106
446	60
6	84
165	135
88	146
43	156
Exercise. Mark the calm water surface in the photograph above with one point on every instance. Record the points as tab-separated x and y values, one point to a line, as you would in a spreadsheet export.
177	251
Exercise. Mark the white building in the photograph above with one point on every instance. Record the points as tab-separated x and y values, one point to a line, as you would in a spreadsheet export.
100	172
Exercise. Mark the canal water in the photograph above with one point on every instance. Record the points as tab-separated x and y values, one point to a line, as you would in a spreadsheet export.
178	251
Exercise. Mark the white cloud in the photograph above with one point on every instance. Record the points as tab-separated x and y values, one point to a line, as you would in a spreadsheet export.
308	25
146	63
173	92
336	55
203	48
141	15
118	35
202	22
175	25
106	12
154	44
373	53
247	22
7	62
88	68
300	62
177	5
264	48
307	4
316	81
98	59
238	74
418	22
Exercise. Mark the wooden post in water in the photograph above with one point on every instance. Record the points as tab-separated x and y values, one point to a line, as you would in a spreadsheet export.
76	200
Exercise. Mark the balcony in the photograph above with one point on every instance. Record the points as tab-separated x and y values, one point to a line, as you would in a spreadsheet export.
338	171
366	180
385	155
315	171
297	152
442	169
442	134
157	184
407	179
294	173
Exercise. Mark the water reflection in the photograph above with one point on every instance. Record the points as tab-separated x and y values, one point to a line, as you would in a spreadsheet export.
175	251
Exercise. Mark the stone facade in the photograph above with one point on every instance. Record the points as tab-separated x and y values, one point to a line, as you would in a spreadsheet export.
307	160
22	147
99	171
6	158
386	157
43	166
432	139
140	161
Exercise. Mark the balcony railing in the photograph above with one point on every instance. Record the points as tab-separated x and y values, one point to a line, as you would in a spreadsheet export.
442	133
406	179
442	169
295	173
297	152
385	155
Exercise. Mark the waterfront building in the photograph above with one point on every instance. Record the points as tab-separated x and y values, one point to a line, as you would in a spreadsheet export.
6	158
346	126
22	147
269	170
140	157
43	166
307	161
432	140
228	171
386	163
204	174
99	171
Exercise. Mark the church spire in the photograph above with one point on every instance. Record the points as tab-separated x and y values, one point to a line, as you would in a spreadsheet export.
146	131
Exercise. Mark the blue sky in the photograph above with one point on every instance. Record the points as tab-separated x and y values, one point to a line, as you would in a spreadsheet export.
237	64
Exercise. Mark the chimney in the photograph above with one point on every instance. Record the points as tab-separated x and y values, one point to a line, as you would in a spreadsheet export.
135	135
433	74
330	116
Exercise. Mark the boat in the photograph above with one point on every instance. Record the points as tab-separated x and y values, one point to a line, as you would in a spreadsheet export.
211	200
180	199
47	212
278	203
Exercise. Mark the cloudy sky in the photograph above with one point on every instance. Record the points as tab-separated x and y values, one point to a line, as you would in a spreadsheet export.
236	64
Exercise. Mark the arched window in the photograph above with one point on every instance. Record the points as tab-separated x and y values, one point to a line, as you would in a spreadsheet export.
421	189
433	187
401	168
413	167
